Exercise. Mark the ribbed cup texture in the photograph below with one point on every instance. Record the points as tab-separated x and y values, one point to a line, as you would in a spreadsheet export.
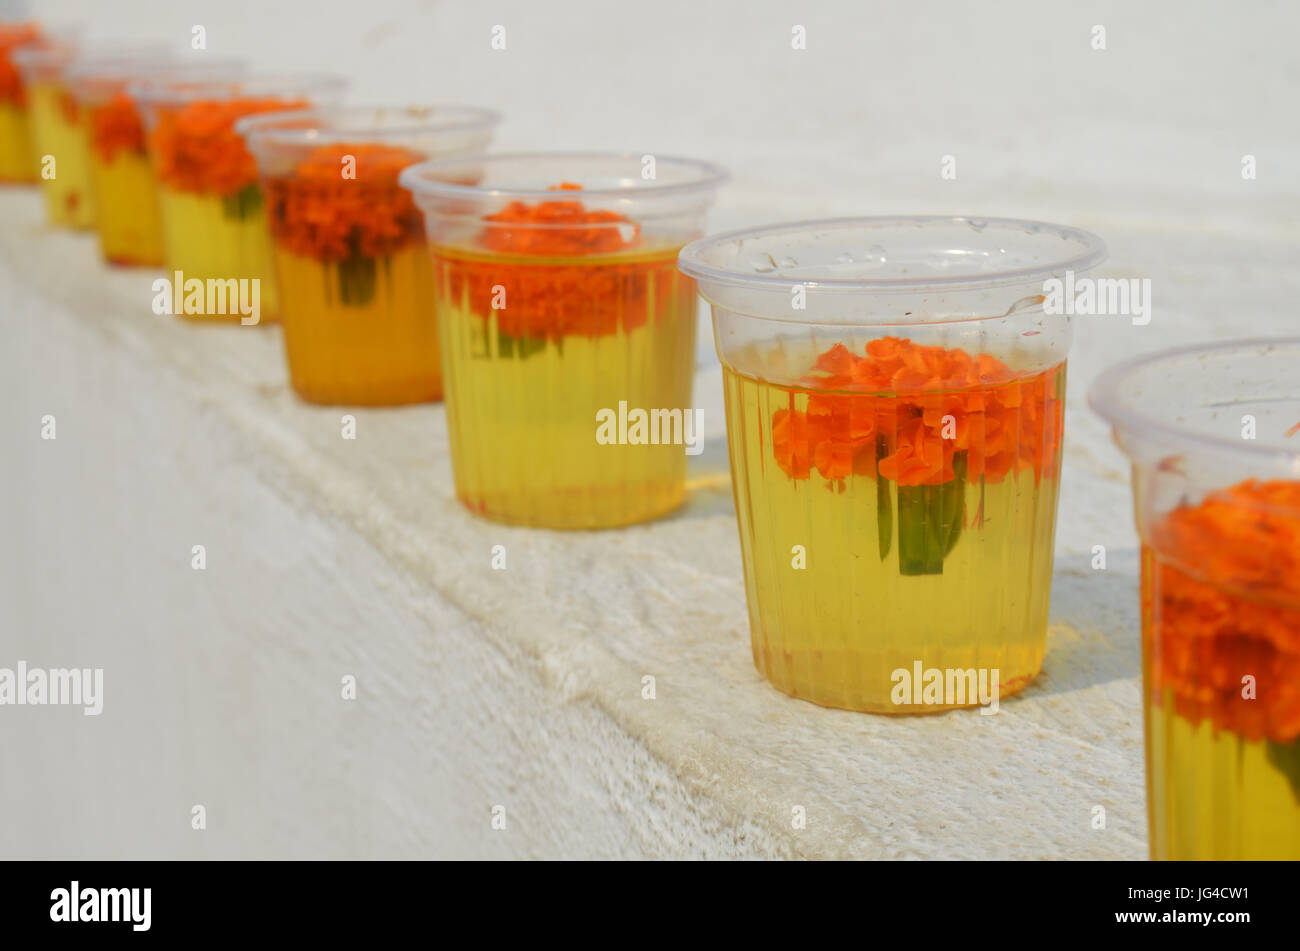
219	238
852	576
533	349
1221	675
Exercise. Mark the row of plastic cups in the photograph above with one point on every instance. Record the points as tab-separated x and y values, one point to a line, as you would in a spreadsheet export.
894	397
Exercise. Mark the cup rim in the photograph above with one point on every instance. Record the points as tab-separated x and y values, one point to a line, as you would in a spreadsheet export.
134	68
691	259
1103	400
183	89
417	178
262	126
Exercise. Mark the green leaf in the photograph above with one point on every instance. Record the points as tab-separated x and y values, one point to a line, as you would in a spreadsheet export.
1286	757
884	506
930	521
356	275
521	347
243	203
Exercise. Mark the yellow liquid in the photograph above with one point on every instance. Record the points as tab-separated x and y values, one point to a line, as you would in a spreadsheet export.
16	162
522	416
208	237
68	201
1211	794
835	630
1215	796
364	336
126	204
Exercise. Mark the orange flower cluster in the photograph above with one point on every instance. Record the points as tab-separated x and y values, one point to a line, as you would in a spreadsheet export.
551	300
115	127
196	148
1239	616
12	36
69	108
317	212
1002	422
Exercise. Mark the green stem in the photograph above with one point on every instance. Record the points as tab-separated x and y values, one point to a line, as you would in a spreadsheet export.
930	521
356	275
243	203
1286	757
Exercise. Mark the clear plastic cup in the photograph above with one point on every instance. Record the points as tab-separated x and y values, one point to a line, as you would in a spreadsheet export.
564	326
895	406
59	140
1211	432
17	162
123	186
213	211
352	266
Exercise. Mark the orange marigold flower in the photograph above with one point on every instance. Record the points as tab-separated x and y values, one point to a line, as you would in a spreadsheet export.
197	150
555	298
115	126
12	36
1229	608
315	211
923	405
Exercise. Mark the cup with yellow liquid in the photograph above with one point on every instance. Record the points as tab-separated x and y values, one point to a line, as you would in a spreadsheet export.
567	333
123	186
18	162
895	393
1212	435
353	271
60	152
213	212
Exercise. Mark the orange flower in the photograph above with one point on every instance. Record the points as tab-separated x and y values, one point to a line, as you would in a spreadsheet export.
115	127
1237	616
926	404
196	147
12	36
317	212
552	299
69	108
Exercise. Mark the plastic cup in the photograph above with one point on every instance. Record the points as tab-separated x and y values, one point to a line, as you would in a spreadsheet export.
564	326
895	405
213	211
352	267
16	152
58	135
123	186
1211	432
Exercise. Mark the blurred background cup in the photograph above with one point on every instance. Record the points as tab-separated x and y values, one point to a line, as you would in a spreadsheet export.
1211	433
59	141
352	268
560	308
18	161
123	186
213	212
895	405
